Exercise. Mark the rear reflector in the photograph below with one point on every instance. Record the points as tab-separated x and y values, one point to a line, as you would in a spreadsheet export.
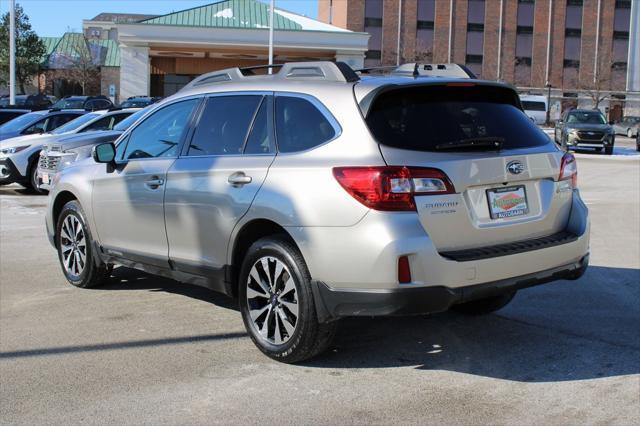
404	270
392	188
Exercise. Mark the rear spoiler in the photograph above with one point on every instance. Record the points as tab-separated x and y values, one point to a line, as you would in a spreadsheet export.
369	98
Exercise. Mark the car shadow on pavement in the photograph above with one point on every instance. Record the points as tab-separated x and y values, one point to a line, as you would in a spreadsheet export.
570	330
131	279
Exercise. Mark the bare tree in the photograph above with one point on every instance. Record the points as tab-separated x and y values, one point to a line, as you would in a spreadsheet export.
598	87
81	65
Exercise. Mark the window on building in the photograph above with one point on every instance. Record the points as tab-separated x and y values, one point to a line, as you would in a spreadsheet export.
373	26
424	29
621	22
524	42
572	43
475	36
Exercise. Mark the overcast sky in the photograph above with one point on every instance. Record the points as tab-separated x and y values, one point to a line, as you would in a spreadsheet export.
51	18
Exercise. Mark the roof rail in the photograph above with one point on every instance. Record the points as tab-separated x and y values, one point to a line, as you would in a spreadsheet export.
317	70
418	69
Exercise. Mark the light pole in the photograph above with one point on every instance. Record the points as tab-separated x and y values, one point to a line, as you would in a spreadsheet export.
271	6
548	86
12	52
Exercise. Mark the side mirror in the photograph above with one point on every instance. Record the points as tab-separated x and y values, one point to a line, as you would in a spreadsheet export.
104	153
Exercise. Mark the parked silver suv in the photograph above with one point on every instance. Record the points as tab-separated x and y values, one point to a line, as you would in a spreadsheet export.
312	194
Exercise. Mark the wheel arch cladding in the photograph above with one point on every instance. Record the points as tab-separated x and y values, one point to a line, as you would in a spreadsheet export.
61	199
250	233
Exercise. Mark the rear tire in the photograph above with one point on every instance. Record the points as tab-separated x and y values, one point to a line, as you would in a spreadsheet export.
277	303
75	249
486	305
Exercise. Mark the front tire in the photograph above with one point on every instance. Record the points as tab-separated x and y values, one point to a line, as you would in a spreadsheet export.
34	181
486	305
75	249
277	305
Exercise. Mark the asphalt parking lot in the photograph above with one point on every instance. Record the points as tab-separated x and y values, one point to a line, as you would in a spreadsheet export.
146	350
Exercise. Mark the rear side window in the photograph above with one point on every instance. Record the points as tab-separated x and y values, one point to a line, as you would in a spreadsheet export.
223	127
421	118
300	125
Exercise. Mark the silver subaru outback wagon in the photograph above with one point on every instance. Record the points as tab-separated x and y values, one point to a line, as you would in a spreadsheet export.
314	194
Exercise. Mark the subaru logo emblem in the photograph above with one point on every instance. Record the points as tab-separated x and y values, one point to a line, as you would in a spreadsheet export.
515	167
590	133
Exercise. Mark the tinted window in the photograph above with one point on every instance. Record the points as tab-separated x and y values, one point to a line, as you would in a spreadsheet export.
533	106
75	123
224	124
300	125
259	141
58	120
159	135
420	118
586	117
19	122
104	123
9	115
124	124
37	127
71	103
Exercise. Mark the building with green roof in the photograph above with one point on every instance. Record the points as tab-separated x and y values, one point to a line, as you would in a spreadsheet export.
157	55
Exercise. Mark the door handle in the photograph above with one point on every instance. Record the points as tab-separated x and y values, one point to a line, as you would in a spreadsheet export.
154	182
238	179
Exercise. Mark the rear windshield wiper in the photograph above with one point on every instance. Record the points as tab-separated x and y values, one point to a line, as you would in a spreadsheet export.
473	143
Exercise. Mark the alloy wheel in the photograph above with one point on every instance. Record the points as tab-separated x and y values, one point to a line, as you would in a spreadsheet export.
73	246
272	299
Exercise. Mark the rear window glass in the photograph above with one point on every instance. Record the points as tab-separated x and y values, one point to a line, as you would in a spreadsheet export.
533	106
421	118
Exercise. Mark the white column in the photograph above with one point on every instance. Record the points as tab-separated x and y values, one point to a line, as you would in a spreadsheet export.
354	60
135	71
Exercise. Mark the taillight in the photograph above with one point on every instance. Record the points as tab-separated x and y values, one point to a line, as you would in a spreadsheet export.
392	188
569	169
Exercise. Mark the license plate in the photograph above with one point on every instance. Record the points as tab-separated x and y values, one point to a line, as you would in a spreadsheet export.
507	202
45	178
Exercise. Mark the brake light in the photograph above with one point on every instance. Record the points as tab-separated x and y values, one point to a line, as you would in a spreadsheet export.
569	169
392	188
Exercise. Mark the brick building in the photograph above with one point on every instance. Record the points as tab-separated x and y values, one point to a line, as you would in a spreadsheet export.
582	48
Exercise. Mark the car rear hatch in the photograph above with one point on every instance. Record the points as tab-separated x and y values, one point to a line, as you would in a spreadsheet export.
504	170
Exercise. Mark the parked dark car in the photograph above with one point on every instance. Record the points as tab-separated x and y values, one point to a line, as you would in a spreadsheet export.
90	103
581	128
30	102
139	101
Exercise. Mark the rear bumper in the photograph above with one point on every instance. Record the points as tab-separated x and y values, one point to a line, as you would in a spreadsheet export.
332	304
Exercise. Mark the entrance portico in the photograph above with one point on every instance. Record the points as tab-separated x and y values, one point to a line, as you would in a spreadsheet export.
160	55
